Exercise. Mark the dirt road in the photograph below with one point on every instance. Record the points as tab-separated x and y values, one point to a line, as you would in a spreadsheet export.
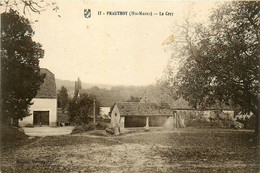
186	150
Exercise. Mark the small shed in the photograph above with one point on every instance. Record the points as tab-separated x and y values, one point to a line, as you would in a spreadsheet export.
136	114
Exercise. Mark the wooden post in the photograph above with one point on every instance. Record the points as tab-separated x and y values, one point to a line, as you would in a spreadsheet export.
94	113
176	119
147	122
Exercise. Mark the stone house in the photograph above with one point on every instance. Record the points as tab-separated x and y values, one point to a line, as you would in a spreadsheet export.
44	109
136	114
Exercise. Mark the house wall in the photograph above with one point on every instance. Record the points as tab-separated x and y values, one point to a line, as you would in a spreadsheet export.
193	117
227	114
42	104
187	114
230	114
115	117
157	121
194	114
117	120
122	124
170	122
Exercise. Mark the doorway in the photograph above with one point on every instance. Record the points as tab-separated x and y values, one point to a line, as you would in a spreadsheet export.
41	118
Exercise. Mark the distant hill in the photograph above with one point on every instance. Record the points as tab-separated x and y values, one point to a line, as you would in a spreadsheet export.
107	94
71	84
116	94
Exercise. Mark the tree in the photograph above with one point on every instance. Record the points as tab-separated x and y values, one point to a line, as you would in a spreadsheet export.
77	87
29	5
63	98
133	99
81	108
223	63
20	72
185	38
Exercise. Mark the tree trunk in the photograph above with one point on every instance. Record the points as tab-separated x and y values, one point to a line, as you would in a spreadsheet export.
15	122
257	129
257	123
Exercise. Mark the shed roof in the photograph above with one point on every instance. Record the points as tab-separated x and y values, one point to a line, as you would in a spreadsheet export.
155	94
48	88
141	109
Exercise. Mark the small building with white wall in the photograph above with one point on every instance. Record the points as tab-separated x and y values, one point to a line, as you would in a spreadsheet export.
136	114
43	112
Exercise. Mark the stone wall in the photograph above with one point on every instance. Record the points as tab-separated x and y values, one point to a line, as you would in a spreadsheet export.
207	116
115	117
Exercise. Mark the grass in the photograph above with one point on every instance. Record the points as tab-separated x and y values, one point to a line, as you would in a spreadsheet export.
11	137
89	127
183	150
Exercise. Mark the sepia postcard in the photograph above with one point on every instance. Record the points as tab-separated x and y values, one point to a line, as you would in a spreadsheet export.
129	86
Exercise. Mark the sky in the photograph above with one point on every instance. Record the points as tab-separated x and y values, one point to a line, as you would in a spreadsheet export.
104	49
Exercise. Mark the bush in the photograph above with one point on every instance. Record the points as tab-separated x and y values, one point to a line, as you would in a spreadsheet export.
29	125
89	127
102	125
199	123
11	137
248	122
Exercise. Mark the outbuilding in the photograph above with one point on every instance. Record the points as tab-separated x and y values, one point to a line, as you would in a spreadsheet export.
136	114
44	109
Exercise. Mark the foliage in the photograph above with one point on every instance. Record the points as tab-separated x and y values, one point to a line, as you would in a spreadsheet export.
224	64
77	87
185	37
11	138
134	99
63	98
89	127
117	94
83	128
20	70
81	109
249	123
29	5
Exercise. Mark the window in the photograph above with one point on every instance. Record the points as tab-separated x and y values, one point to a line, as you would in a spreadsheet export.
115	114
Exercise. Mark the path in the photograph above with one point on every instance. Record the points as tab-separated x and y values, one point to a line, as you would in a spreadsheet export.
48	131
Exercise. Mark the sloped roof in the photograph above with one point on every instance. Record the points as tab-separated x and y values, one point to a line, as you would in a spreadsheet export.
48	88
155	94
141	109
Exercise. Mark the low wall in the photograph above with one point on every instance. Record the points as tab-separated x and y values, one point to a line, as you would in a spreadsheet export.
190	116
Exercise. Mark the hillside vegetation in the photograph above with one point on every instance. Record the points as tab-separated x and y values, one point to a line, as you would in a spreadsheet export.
107	95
